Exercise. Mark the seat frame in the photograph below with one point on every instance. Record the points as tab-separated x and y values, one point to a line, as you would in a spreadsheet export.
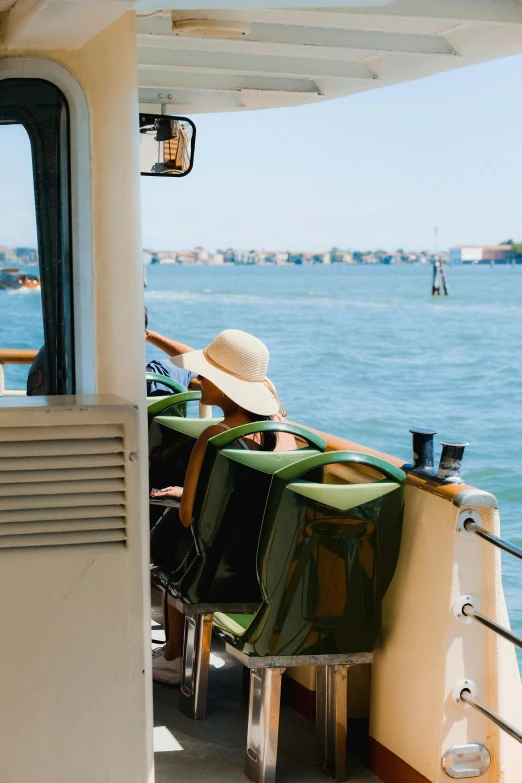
196	649
264	708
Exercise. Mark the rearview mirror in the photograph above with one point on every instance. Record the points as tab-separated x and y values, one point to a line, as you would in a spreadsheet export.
166	145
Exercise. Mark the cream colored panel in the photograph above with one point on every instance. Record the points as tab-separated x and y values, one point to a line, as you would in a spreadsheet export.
424	650
72	650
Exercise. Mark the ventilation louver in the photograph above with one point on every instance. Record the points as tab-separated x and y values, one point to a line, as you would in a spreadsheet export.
62	486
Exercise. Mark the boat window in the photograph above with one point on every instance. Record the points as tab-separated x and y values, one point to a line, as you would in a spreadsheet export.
35	255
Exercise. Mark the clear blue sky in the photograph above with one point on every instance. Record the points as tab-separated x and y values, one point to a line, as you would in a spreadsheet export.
379	169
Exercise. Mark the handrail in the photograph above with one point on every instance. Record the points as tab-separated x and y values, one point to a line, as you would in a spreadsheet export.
495	540
13	356
467	698
17	355
469	611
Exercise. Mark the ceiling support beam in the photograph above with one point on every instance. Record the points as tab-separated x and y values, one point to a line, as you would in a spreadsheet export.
252	65
482	11
319	44
499	12
163	80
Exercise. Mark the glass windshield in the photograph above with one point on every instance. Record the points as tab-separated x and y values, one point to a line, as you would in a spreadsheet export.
36	317
21	324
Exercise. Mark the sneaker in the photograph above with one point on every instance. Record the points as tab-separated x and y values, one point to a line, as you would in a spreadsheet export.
166	671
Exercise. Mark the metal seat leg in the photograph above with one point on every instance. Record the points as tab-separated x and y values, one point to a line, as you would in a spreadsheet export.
263	724
196	657
332	719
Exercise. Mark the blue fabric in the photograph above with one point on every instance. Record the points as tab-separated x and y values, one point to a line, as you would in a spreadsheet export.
165	367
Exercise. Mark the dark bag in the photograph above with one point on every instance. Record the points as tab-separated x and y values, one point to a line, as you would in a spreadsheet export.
172	544
172	547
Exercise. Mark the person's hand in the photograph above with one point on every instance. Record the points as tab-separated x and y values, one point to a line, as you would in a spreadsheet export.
168	492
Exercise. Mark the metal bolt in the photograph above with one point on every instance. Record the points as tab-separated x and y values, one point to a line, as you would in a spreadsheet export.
160	95
134	456
169	95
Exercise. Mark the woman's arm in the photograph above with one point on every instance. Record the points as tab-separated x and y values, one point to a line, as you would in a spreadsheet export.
192	475
170	347
187	493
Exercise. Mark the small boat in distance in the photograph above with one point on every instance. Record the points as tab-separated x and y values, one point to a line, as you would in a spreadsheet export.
14	279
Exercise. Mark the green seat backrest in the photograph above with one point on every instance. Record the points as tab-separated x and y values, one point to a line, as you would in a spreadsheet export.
170	404
171	440
165	380
326	556
228	512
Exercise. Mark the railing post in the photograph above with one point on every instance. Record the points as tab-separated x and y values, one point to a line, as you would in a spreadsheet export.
2	380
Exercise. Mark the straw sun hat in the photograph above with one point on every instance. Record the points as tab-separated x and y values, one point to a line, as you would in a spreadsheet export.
236	362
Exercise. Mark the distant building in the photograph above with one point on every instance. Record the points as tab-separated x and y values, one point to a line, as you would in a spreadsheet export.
480	254
26	254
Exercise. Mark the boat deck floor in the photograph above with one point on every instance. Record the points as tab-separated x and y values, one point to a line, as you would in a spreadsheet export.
212	751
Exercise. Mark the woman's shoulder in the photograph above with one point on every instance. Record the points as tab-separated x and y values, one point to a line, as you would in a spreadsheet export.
211	430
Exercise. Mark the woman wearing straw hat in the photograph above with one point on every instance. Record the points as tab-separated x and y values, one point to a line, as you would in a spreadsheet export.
232	370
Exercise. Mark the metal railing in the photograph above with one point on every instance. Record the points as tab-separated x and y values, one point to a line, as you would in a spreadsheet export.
26	356
13	356
467	698
469	611
472	527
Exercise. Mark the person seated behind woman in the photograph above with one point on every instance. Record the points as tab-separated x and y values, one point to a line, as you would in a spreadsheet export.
232	370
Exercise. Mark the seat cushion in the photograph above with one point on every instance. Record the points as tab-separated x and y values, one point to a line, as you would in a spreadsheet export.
235	624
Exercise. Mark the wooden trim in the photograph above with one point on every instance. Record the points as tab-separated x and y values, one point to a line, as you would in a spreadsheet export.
17	356
445	491
388	767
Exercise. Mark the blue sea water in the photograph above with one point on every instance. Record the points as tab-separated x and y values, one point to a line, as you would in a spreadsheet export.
362	352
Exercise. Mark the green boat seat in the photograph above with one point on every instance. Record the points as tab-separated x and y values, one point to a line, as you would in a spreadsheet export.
228	510
233	623
171	440
165	380
171	404
326	556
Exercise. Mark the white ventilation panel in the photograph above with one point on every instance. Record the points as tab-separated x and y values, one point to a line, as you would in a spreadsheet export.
73	575
62	486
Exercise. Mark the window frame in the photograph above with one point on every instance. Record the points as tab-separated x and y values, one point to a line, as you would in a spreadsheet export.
80	206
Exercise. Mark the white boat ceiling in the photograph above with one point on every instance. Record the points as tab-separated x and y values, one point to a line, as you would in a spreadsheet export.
249	57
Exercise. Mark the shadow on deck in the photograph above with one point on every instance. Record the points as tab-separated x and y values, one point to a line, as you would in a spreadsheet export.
212	751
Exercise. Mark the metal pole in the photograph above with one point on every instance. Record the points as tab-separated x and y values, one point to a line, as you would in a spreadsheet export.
493	716
495	540
444	281
435	287
492	625
2	380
